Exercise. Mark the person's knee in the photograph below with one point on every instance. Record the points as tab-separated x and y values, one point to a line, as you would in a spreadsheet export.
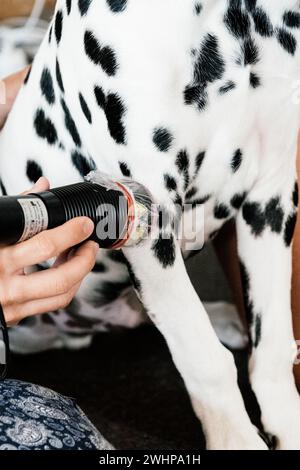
37	418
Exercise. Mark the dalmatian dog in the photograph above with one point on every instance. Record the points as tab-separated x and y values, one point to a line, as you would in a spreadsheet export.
197	101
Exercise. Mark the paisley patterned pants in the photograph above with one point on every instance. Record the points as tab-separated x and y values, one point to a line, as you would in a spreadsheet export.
36	418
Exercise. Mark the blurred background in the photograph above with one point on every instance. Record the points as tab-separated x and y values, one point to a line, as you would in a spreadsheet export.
22	27
17	8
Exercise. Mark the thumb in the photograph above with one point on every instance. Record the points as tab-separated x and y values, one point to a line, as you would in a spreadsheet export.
42	184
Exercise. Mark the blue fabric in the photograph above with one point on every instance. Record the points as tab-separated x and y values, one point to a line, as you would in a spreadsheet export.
36	418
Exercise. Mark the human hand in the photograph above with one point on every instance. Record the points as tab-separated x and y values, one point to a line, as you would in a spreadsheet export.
24	295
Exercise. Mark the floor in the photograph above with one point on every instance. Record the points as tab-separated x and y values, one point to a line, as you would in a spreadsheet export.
128	386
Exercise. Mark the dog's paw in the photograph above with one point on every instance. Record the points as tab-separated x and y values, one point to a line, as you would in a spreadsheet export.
280	408
288	434
238	440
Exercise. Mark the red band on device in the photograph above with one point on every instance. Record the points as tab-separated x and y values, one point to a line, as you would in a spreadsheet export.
130	217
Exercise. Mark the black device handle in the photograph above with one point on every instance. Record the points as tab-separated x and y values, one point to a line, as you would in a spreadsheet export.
21	217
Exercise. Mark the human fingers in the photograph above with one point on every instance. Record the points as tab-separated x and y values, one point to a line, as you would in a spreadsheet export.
15	313
51	282
45	245
41	185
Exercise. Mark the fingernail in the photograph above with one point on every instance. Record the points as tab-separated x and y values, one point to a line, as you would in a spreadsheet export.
37	184
88	226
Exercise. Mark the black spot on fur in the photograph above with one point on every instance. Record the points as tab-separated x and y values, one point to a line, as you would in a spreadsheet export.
47	319
44	127
114	111
58	25
99	268
59	77
117	6
237	200
196	95
236	160
50	34
125	170
200	201
27	76
108	291
84	5
221	211
84	324
263	25
2	188
198	8
295	196
255	81
250	4
70	124
82	164
117	256
47	86
255	217
164	250
178	200
100	55
257	331
85	109
274	215
289	229
209	65
191	205
287	40
249	52
162	138
237	21
291	19
182	163
191	193
100	97
33	171
246	291
228	86
29	321
170	183
199	160
69	6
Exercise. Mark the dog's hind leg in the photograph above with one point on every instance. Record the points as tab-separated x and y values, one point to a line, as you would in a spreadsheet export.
207	368
265	229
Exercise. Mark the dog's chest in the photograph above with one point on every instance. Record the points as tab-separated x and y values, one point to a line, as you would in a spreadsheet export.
168	93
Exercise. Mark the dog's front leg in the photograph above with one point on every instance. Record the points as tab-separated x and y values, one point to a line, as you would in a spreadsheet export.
265	228
206	366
